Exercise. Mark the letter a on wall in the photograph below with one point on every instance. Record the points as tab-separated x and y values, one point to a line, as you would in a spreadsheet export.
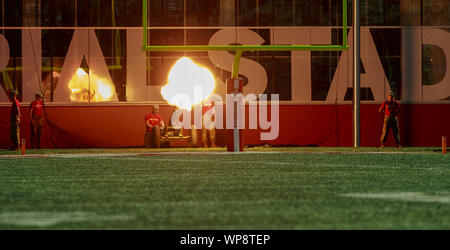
374	78
84	43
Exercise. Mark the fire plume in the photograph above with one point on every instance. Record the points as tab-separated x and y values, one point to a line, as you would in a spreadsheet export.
86	87
188	84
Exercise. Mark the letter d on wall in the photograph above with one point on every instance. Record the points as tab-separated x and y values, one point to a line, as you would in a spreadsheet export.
440	38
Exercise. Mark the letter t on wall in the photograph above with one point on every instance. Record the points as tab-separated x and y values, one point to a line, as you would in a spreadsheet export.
301	60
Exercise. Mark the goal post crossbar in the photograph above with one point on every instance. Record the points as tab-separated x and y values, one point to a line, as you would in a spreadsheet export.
147	47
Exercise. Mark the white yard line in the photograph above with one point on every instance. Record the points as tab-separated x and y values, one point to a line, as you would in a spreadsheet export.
83	155
402	196
44	219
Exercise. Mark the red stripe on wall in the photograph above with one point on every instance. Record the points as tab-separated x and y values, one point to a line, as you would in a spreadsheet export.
300	125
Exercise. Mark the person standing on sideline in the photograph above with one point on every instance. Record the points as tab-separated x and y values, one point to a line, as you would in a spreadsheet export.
15	121
390	108
209	122
36	118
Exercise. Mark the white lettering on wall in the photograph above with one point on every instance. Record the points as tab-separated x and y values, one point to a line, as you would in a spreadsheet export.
84	42
301	60
4	58
374	77
440	38
31	64
255	72
137	89
411	64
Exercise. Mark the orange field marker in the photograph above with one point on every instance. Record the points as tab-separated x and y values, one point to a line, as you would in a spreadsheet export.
444	144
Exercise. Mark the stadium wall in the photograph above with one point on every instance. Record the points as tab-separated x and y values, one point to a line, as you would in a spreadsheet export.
111	126
69	51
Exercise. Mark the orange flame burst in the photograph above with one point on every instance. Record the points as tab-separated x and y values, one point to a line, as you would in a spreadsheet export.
86	87
188	84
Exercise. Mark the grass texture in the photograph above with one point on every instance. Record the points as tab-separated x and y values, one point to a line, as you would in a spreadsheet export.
262	189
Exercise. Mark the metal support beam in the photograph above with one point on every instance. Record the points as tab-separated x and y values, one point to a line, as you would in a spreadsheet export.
356	74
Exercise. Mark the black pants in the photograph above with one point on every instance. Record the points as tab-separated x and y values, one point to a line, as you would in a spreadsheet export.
36	128
152	139
15	133
390	122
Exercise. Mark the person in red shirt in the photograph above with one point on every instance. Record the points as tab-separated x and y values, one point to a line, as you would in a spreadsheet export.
36	118
391	109
15	121
152	120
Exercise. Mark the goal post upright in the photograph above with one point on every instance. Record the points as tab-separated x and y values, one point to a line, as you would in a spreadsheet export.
356	76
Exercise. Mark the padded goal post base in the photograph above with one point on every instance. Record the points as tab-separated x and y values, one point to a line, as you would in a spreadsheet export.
234	136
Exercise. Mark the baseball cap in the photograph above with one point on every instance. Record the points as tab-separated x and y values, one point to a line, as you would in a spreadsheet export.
40	95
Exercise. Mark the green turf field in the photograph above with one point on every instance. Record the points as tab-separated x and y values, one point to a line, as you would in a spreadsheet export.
264	188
